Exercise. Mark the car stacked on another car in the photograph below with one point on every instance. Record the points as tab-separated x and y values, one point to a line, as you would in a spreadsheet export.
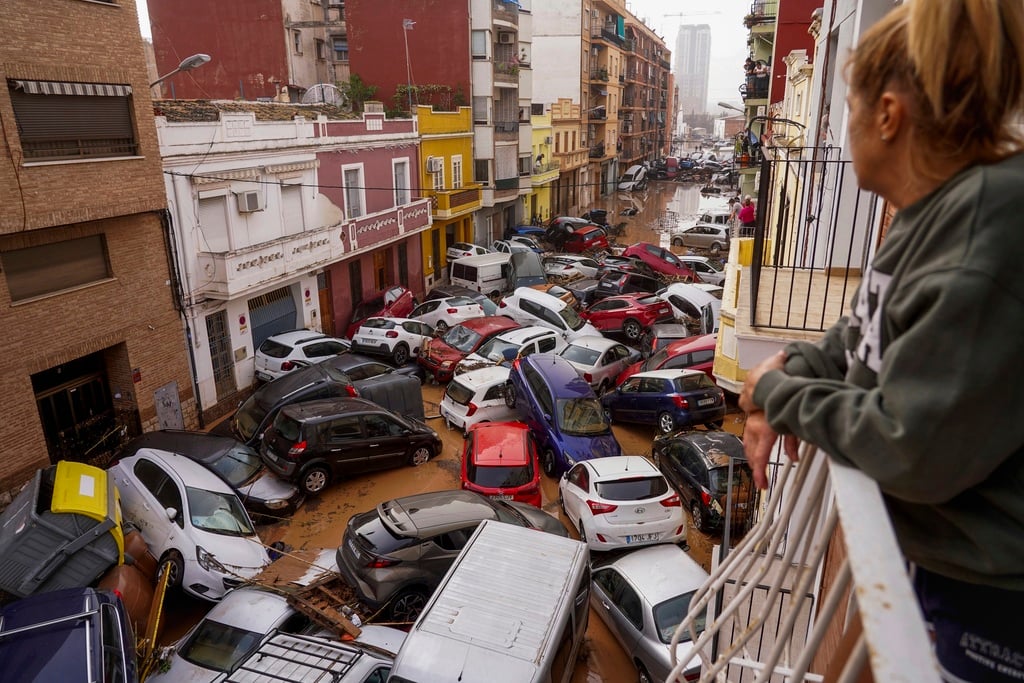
697	353
670	399
281	353
527	306
462	249
441	314
476	396
397	338
661	261
505	347
499	460
394	302
570	266
439	356
631	314
445	291
598	360
613	283
707	270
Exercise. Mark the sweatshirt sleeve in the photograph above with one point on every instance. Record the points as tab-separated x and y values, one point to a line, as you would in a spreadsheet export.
943	413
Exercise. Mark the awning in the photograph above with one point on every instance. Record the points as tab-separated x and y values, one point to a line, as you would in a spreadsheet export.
61	88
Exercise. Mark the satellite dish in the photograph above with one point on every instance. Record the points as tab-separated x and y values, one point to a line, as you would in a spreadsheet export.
324	93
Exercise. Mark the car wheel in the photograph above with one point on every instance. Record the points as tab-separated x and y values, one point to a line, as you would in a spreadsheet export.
632	329
510	395
420	456
408	605
666	423
698	517
715	249
714	424
642	675
315	479
547	462
174	565
677	242
400	355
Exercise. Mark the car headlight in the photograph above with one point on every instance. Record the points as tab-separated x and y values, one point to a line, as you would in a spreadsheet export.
207	561
447	364
276	504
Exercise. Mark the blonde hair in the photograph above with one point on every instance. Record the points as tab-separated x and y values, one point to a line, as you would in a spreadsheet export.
959	61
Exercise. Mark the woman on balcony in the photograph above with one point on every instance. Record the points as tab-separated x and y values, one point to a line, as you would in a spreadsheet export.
921	386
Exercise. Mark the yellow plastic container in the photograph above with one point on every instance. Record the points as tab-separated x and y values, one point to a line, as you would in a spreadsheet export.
86	490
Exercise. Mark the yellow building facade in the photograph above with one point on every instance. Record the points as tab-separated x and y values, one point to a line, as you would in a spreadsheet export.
544	174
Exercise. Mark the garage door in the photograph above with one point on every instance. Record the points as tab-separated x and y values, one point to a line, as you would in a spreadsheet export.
271	313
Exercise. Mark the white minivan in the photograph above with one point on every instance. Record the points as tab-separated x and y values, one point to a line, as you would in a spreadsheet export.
486	273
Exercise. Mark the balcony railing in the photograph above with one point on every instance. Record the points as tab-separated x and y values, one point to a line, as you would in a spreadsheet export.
597	151
755	87
777	605
449	203
604	33
507	71
762	11
815	231
506	11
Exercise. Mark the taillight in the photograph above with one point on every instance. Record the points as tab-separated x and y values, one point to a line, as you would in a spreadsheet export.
502	304
351	390
470	409
391	334
382	562
680	401
601	508
587	377
672	501
452	310
287	365
705	497
295	451
691	676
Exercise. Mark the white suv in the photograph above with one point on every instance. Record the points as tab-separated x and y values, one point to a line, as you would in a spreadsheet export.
529	307
476	396
281	353
505	347
399	338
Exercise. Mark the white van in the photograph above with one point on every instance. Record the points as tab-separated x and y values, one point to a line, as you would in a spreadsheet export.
486	273
635	178
512	608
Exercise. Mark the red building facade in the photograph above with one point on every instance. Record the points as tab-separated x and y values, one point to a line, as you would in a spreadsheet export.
792	22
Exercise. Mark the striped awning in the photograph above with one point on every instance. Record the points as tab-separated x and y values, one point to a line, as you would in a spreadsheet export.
61	88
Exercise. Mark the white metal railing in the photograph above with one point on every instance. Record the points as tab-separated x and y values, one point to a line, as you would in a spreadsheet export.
764	618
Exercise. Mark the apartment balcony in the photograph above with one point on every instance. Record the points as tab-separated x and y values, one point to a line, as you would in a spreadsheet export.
600	74
506	71
597	151
506	130
762	13
755	87
543	174
506	188
451	203
607	35
505	11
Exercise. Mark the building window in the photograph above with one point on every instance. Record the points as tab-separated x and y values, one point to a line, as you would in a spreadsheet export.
401	173
50	268
525	165
478	44
479	109
403	264
355	193
456	171
340	47
291	207
321	49
297	42
537	108
73	120
481	171
437	177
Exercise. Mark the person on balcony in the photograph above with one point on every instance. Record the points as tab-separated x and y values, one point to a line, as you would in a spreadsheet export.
747	216
921	385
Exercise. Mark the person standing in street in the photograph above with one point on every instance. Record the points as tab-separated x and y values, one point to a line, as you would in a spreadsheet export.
921	385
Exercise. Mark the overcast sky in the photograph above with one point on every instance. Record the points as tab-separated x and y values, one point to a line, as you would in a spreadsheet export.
728	36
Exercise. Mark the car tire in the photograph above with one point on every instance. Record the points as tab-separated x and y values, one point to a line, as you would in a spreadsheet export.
561	504
715	249
642	674
666	423
677	241
547	462
173	563
400	356
714	425
632	329
407	605
510	395
699	519
440	328
420	456
314	480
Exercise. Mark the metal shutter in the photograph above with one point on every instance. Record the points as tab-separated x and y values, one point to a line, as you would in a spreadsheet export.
271	313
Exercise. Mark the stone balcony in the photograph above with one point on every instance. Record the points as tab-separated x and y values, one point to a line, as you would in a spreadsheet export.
451	203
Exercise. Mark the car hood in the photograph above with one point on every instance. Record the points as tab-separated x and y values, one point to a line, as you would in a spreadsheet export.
441	352
588	447
241	555
266	486
540	519
588	330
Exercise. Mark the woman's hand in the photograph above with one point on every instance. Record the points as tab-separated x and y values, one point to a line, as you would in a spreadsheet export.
758	436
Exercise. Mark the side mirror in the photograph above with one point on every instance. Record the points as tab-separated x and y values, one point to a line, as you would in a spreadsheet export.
172	514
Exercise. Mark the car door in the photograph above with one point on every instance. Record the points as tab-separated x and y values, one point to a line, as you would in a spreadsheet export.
386	441
606	315
574	493
625	404
649	398
417	331
621	606
543	408
154	491
426	312
615	360
693	473
343	440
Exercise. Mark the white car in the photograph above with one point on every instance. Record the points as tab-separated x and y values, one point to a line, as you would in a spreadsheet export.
701	302
571	266
442	314
476	396
281	353
510	246
462	249
506	346
599	360
530	307
399	338
621	501
189	517
707	270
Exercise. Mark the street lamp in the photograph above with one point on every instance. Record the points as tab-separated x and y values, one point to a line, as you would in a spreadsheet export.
726	105
187	64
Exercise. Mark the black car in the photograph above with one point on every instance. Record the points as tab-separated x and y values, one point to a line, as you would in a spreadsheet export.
238	465
446	291
624	263
618	282
316	442
697	465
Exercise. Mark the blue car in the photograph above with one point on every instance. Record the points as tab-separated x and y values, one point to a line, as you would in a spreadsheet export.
670	399
533	231
562	411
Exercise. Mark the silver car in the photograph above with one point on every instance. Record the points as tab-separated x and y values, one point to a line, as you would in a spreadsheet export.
714	238
599	360
642	597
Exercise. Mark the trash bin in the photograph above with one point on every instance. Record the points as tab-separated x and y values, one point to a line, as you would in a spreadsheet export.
62	531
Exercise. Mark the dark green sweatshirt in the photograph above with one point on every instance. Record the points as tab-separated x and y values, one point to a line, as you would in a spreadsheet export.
921	386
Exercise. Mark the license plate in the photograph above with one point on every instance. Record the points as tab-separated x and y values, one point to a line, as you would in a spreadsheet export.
706	402
353	548
367	340
641	538
501	496
264	376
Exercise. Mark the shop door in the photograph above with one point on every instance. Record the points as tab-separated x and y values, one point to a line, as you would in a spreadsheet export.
323	286
271	313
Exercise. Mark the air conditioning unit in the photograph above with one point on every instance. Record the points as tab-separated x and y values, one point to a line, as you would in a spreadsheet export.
249	201
583	139
434	164
335	3
547	140
506	38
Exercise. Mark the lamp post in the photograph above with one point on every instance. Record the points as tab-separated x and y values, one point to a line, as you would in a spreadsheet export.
726	105
407	25
187	64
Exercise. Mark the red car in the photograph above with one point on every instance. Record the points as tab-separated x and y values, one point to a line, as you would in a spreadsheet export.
584	239
499	460
630	313
440	355
661	261
395	302
697	353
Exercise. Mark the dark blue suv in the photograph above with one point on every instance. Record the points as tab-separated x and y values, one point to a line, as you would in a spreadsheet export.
561	410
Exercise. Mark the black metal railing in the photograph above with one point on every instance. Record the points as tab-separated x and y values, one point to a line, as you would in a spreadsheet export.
815	231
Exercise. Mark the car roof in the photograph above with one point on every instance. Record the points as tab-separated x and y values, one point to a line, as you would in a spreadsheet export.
329	407
594	342
538	297
670	330
200	446
521	335
480	377
617	465
715	446
660	572
490	323
295	337
188	470
435	512
499	444
701	342
561	376
251	608
669	374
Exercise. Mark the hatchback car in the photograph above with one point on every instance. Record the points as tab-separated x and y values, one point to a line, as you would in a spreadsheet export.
439	356
317	442
462	249
561	227
670	399
706	269
570	266
661	261
697	466
714	238
512	246
505	347
191	519
444	291
441	314
397	338
476	396
587	239
643	596
561	409
394	302
617	283
529	307
621	502
499	460
697	353
240	466
698	304
279	354
395	555
598	360
661	335
631	314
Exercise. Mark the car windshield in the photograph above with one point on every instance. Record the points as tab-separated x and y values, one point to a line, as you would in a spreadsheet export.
719	478
461	338
580	354
572	318
632	488
580	416
367	308
238	465
379	324
219	513
218	646
250	415
669	614
499	477
459	393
